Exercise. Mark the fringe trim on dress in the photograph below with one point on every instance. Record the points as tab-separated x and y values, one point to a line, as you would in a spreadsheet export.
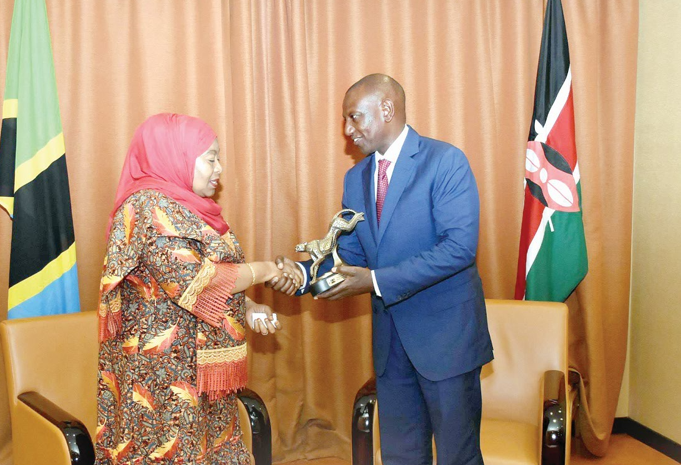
221	372
212	294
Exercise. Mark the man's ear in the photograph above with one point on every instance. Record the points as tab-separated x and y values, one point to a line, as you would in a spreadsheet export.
387	110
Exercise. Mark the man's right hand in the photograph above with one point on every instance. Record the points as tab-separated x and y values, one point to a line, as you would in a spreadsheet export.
291	278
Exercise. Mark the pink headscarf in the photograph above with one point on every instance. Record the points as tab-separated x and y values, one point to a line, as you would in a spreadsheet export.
162	156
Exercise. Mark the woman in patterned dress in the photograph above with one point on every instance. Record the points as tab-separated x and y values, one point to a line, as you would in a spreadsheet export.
172	311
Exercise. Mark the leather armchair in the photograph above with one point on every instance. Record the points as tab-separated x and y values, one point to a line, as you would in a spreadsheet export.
51	365
526	399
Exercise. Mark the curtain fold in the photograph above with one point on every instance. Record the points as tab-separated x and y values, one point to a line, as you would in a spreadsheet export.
270	76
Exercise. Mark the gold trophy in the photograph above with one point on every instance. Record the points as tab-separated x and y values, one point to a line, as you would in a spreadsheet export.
319	249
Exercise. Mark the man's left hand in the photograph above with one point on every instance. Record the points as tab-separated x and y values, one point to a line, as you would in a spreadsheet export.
357	281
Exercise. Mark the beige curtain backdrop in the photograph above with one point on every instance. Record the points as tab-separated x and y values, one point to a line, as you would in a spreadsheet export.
270	76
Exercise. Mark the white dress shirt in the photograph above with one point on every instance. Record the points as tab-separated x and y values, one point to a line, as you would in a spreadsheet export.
392	154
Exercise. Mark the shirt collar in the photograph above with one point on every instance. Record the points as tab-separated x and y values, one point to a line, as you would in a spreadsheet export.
395	148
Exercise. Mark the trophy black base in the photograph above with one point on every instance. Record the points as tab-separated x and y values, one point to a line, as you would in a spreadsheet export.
325	283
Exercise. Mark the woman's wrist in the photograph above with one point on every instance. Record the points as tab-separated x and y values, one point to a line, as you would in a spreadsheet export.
273	271
250	268
264	271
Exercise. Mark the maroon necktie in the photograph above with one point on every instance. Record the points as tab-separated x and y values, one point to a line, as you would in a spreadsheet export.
382	186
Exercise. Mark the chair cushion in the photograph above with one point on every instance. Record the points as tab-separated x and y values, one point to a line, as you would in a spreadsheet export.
55	356
529	338
509	442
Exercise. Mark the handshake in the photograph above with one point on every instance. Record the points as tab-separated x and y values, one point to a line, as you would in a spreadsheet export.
287	276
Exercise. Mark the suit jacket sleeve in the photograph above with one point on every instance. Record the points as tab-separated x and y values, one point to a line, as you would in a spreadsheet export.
349	247
456	211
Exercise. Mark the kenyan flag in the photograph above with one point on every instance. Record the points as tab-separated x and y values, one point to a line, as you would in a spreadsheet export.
552	259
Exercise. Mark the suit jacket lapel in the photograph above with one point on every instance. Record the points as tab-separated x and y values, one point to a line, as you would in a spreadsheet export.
402	173
369	197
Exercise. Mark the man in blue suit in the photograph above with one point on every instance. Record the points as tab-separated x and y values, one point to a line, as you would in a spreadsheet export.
415	255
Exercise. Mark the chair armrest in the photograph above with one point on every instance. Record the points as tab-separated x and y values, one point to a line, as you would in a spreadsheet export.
362	424
260	426
79	444
44	431
555	419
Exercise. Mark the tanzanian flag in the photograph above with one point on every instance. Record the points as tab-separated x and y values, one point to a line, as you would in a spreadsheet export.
34	185
552	259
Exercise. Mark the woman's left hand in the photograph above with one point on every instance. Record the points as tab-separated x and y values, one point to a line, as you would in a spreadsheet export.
260	318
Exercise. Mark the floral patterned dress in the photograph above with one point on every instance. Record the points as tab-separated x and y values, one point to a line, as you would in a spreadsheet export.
172	346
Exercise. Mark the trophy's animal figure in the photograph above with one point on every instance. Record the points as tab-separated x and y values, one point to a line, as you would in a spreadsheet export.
320	248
